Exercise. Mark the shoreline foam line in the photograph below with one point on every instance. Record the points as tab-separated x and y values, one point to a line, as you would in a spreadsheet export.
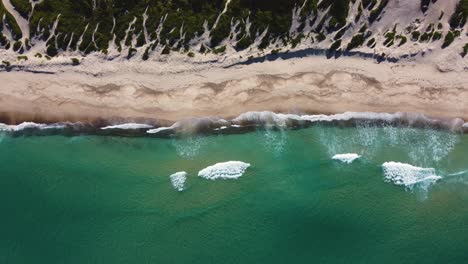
243	123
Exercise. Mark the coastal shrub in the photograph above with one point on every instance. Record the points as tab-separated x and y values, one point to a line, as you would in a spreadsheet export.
356	42
12	25
3	40
146	54
166	50
460	15
425	37
403	39
338	10
320	37
369	4
191	54
275	52
48	57
295	41
244	43
75	61
449	37
202	48
17	45
52	51
376	12
23	7
465	50
131	52
27	44
415	35
340	33
371	43
219	50
38	55
25	58
436	36
6	63
389	39
336	45
425	5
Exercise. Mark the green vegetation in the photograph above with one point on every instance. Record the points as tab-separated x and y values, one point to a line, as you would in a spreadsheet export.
6	64
403	40
448	39
17	46
336	45
465	50
458	18
25	58
219	50
10	23
436	36
376	12
371	43
415	35
75	61
23	7
321	37
389	39
356	42
91	25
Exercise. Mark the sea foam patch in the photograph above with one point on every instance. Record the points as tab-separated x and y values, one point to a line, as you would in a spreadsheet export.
30	125
346	158
224	170
128	126
407	175
178	180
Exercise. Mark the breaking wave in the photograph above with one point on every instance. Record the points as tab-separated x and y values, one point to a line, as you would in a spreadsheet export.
409	176
346	158
225	170
249	121
178	180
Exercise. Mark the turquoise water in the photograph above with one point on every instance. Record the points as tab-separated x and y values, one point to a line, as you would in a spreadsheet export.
90	199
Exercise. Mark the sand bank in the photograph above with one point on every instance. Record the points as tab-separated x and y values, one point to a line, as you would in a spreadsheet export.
302	85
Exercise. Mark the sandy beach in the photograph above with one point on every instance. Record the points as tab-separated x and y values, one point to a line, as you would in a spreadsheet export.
128	92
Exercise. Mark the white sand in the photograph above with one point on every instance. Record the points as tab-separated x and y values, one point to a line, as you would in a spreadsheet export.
173	91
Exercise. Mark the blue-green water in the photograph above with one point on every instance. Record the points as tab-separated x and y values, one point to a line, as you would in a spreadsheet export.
90	199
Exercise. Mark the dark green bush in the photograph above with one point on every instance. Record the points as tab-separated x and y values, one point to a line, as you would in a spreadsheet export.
356	42
75	61
336	45
465	50
449	37
52	51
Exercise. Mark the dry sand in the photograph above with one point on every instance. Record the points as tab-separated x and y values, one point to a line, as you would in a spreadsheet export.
305	85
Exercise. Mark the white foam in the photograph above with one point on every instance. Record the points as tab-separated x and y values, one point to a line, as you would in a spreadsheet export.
225	170
178	180
346	158
407	175
29	125
128	126
159	129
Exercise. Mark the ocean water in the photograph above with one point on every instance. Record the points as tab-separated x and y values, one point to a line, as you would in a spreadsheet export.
105	199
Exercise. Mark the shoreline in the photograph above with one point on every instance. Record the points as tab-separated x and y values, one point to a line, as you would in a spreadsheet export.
172	91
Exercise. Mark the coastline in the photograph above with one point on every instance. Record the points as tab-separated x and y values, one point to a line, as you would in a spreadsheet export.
171	91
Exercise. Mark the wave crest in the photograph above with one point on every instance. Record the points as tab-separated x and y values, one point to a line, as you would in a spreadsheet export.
225	170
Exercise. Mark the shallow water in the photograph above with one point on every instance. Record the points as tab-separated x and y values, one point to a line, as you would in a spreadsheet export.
91	199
